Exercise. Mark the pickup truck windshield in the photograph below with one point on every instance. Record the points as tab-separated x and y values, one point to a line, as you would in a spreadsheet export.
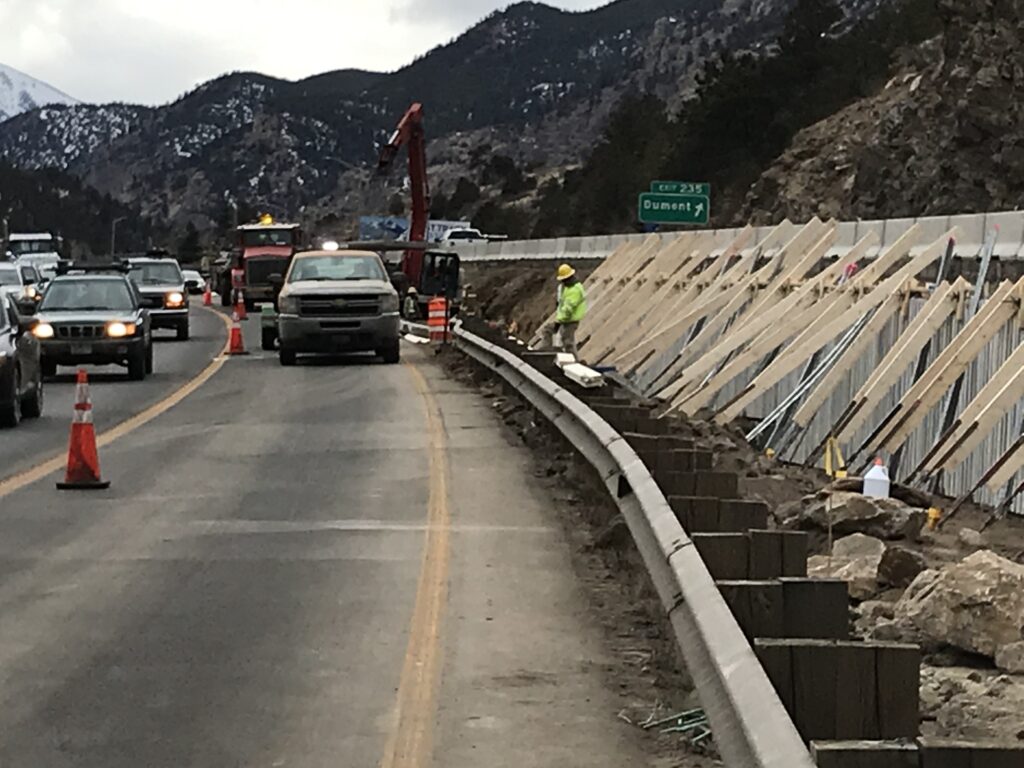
337	268
70	295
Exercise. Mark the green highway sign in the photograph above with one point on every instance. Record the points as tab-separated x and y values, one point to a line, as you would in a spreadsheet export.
681	188
656	208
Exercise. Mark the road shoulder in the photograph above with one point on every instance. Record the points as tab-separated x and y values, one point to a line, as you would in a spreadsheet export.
524	678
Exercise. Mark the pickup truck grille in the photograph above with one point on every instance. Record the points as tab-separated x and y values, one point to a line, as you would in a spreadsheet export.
349	305
80	331
153	302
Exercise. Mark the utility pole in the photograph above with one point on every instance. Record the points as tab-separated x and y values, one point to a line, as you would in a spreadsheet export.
113	234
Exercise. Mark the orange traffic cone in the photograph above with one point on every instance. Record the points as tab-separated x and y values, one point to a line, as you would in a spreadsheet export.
240	306
83	470
208	296
237	345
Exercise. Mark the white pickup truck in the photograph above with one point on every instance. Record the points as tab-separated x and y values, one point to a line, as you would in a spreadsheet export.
465	235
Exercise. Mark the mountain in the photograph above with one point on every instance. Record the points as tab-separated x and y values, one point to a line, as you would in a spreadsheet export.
944	136
21	93
60	203
531	85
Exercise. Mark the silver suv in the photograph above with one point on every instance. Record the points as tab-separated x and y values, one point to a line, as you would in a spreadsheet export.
162	287
337	301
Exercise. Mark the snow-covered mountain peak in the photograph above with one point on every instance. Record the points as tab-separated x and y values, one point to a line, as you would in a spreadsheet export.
21	93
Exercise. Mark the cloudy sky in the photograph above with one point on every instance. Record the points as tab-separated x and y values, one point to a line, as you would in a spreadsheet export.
152	51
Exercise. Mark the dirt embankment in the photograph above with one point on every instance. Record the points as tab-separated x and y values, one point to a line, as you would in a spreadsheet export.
520	292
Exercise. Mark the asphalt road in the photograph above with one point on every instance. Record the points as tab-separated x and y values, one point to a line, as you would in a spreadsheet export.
338	564
114	397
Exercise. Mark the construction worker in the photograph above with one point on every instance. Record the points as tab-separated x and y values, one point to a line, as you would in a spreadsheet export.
411	304
572	308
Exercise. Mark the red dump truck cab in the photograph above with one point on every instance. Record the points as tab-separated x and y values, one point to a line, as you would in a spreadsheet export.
263	249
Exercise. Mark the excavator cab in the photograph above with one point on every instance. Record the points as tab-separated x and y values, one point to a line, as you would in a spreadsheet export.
440	275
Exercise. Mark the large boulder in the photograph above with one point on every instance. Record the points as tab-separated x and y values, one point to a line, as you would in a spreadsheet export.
971	538
976	604
858	545
854	559
1011	658
899	567
851	513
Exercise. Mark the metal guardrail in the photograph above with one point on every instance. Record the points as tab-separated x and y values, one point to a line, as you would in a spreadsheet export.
751	727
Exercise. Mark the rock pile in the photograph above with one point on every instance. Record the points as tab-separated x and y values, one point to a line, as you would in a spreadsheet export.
849	513
976	605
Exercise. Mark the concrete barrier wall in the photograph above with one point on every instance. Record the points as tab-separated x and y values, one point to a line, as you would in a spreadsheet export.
1008	227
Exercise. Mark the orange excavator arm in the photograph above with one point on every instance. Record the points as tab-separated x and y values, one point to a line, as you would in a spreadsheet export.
409	133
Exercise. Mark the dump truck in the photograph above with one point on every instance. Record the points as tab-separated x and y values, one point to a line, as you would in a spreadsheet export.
263	249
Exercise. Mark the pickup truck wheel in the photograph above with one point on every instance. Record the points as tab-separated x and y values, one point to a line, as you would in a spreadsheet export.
183	331
287	356
137	365
48	367
391	354
267	338
149	359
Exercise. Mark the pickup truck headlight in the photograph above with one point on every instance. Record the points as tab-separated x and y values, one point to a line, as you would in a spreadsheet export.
174	300
389	302
288	305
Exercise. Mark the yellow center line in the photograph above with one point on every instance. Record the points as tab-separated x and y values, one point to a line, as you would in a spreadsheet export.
410	740
48	467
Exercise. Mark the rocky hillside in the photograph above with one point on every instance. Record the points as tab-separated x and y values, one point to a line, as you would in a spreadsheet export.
532	83
946	135
21	93
58	202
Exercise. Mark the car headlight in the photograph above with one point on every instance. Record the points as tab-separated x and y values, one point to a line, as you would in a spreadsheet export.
30	292
174	299
120	330
389	302
43	331
288	305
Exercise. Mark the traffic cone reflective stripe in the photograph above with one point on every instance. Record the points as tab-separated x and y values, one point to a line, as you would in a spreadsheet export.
83	470
237	345
240	312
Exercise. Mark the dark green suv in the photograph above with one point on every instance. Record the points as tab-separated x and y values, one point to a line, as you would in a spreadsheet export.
94	319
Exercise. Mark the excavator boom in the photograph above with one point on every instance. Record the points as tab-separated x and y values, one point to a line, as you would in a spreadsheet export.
409	134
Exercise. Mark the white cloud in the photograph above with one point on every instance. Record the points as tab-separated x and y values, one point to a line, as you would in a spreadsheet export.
152	52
